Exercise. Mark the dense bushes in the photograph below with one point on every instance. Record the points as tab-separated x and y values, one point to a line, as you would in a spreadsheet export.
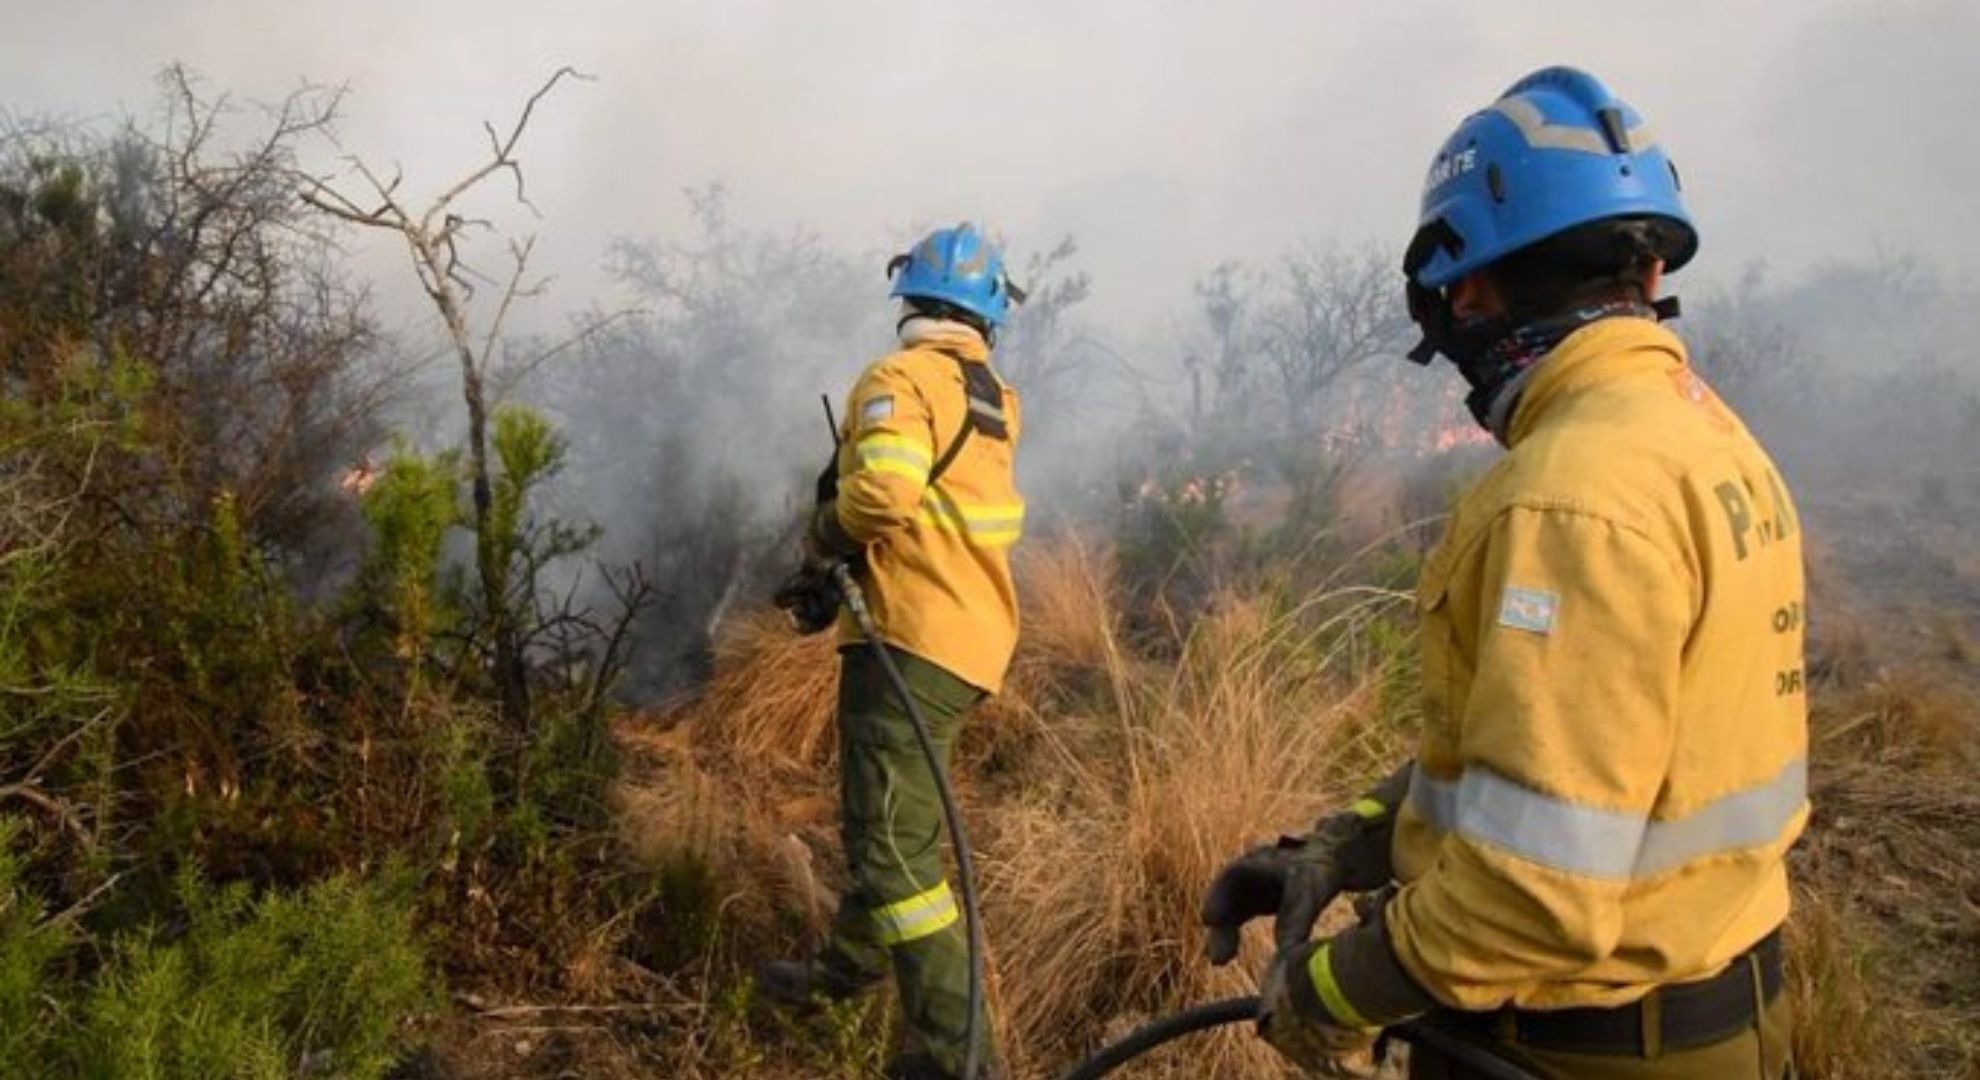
247	732
318	982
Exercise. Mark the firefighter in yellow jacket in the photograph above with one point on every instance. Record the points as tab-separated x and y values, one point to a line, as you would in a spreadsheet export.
922	500
1586	860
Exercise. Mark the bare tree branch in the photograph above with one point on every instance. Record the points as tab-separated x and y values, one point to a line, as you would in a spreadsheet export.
503	153
515	375
55	807
515	290
68	916
433	241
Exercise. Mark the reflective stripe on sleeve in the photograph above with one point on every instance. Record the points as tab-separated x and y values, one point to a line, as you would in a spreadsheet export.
918	916
896	454
989	524
1742	819
1320	968
1485	805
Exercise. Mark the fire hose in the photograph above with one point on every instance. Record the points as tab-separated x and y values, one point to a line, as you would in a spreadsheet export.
1145	1039
855	601
1237	1010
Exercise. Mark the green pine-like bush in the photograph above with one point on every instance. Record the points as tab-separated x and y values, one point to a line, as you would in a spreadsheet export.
316	982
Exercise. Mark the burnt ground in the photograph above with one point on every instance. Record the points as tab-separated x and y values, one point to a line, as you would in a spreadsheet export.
1889	868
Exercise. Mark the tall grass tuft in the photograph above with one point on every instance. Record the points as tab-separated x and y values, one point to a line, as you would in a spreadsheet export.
1115	775
1104	788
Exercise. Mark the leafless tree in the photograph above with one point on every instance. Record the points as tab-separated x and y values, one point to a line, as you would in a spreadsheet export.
1223	296
434	236
1339	310
1039	351
695	425
176	247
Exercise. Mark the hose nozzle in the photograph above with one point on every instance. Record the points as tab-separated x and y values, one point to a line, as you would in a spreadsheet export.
855	598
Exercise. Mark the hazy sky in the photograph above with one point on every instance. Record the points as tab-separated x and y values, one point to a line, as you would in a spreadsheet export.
1167	136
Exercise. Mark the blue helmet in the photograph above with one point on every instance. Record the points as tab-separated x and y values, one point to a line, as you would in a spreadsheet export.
956	266
1555	151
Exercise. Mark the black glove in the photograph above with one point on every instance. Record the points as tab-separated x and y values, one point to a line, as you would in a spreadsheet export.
825	540
1296	878
1249	886
810	597
809	594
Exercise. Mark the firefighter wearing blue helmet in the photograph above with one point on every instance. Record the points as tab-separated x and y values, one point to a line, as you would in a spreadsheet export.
1557	180
955	272
1583	870
921	502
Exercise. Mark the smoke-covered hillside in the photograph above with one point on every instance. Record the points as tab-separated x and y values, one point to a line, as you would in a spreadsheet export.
389	505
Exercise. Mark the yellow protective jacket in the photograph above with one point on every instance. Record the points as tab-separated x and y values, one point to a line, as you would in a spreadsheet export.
938	557
1614	751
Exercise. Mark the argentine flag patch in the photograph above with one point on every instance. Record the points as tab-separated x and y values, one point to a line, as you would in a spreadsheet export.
1531	610
877	410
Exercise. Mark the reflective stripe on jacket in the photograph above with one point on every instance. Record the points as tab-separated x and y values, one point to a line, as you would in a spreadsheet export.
939	574
1614	751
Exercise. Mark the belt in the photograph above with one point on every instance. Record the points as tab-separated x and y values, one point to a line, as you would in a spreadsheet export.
1675	1017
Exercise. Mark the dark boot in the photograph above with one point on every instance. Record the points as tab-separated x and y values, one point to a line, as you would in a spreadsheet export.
803	982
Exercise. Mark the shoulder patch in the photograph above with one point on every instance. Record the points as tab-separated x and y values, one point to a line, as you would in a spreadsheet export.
1531	610
876	410
1701	396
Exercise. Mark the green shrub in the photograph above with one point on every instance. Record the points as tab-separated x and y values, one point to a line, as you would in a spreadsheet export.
318	981
680	919
410	506
1173	542
29	948
191	677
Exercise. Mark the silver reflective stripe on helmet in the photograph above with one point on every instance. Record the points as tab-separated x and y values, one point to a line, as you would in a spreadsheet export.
1485	805
1545	136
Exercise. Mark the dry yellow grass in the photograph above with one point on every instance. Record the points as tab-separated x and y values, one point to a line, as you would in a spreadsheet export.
1105	787
1885	936
1103	790
1840	1023
1902	718
768	708
1095	866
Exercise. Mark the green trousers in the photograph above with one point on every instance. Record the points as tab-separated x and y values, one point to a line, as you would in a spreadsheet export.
1758	1053
899	910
